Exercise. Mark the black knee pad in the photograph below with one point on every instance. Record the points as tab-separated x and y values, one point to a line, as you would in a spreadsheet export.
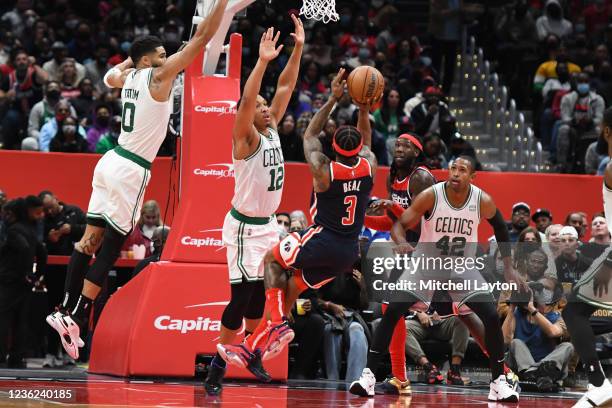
239	303
106	257
257	304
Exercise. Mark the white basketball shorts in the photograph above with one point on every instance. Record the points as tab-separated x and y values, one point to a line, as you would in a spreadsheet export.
119	184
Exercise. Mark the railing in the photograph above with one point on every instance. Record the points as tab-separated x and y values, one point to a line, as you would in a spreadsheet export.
518	150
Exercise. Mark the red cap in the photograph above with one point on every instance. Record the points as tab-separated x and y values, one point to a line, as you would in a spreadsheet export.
412	139
433	90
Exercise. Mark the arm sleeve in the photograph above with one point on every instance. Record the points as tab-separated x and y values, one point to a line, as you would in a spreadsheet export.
501	234
378	222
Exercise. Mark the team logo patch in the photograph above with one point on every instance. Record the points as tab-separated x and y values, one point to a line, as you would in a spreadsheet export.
472	208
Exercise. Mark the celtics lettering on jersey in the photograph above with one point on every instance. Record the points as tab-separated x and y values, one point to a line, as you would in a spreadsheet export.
451	229
273	159
259	178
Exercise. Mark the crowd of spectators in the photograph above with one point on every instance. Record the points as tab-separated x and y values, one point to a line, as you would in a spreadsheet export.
564	76
52	97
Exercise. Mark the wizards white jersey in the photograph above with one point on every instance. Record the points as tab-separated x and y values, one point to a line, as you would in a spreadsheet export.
259	178
449	229
607	199
144	121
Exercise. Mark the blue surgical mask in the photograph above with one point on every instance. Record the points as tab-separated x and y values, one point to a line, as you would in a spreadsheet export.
583	88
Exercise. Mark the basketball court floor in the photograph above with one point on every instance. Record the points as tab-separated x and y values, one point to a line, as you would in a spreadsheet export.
81	389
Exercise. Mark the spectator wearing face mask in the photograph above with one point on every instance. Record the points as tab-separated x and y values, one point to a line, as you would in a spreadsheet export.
548	69
97	67
552	21
100	126
363	58
110	140
44	111
69	138
581	115
50	129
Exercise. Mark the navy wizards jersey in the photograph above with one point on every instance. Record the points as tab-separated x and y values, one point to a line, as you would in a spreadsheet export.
342	207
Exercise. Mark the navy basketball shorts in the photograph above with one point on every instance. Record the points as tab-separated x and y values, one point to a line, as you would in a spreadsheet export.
319	253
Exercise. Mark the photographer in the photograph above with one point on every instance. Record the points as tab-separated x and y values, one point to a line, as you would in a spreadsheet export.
534	267
533	330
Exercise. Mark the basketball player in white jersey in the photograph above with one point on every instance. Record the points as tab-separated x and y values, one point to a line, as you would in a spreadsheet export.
122	174
250	229
449	213
593	292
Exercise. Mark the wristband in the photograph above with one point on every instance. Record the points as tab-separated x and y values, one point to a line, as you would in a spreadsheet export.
112	71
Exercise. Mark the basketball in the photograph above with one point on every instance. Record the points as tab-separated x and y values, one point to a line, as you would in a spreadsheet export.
365	83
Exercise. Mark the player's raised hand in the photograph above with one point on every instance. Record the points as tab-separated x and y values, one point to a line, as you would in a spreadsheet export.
298	35
338	84
267	46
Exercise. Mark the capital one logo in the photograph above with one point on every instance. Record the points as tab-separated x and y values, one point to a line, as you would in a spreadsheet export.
218	107
209	238
202	323
218	170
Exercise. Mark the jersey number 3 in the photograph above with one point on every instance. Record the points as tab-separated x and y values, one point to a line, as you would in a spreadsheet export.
351	201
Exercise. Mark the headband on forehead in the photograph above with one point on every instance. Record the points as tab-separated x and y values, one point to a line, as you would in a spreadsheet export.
412	140
346	153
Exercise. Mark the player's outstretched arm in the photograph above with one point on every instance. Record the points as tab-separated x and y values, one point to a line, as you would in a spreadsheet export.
489	211
244	131
288	78
423	203
365	129
204	33
115	77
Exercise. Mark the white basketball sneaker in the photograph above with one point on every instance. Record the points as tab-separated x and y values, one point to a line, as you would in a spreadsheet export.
596	396
69	333
501	390
364	387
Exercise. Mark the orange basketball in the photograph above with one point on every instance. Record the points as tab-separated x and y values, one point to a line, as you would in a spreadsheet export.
365	83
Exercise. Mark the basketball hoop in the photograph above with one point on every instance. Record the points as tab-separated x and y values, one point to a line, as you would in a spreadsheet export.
320	10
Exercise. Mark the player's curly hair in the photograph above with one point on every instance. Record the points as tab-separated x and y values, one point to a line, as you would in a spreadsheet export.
142	46
347	138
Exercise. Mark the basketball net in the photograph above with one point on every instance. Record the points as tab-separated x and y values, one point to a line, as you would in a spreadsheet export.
320	10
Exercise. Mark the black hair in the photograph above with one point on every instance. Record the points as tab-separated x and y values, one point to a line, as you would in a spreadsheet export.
33	201
385	110
17	207
283	213
469	159
347	138
44	193
16	51
142	46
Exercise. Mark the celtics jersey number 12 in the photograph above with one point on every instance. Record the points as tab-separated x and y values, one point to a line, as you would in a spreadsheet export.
260	178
